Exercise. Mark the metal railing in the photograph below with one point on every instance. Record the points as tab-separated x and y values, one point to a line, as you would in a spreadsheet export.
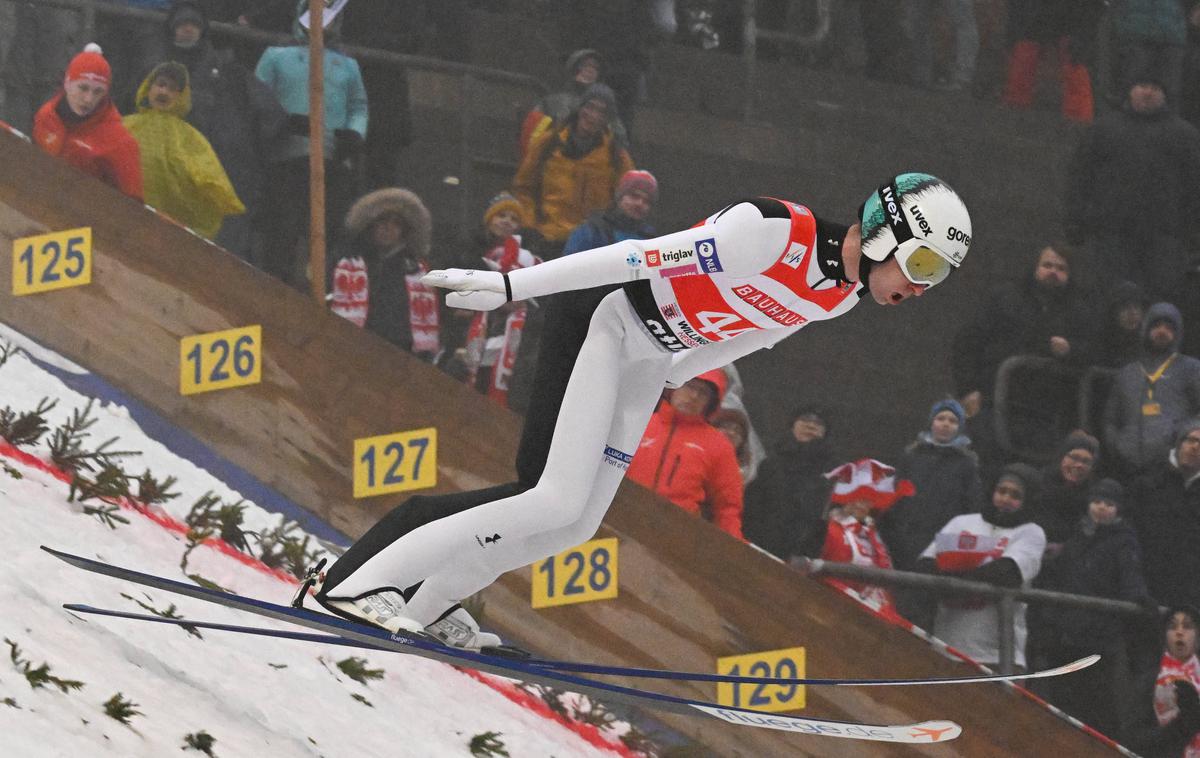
470	76
1006	598
752	33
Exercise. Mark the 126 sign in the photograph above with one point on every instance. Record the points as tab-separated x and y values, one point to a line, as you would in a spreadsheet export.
579	575
395	462
787	663
219	360
52	261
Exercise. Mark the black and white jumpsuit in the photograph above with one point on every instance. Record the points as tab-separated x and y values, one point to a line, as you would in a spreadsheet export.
641	315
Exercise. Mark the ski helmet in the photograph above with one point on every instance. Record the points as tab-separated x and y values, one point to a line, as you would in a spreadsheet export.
921	221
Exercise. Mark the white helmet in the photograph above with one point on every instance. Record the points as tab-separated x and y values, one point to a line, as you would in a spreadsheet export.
921	221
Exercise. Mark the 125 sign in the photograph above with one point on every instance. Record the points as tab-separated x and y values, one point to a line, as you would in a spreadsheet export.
218	360
52	261
395	462
787	663
583	573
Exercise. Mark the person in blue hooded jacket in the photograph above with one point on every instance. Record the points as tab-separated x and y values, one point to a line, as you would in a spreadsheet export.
285	71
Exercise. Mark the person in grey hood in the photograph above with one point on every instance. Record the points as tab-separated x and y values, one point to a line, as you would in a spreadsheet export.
1152	395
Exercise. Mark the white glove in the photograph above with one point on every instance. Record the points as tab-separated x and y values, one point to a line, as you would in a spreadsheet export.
476	300
465	280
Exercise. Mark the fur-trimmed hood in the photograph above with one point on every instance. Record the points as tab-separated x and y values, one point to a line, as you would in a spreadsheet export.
418	224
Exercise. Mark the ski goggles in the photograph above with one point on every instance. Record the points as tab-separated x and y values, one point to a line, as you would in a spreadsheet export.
920	262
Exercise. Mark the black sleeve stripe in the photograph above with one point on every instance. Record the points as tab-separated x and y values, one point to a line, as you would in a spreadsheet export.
768	207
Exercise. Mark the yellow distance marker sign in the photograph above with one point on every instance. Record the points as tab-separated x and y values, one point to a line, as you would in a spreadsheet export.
52	261
395	462
220	360
787	663
579	575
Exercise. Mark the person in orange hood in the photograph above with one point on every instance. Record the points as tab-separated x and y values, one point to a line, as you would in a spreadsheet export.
689	461
81	125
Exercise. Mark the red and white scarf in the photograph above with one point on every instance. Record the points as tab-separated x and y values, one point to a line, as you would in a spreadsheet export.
1169	670
503	257
352	301
849	540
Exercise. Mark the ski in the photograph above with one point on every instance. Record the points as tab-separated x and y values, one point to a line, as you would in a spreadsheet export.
589	668
919	733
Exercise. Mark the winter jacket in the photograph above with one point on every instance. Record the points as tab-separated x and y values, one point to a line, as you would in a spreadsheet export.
691	463
285	71
946	478
785	503
975	547
1135	171
98	144
183	176
233	109
559	189
1058	505
389	313
605	228
1159	22
1019	318
1142	438
1101	560
1165	511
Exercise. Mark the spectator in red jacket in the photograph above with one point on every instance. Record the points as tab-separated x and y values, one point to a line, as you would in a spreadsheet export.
81	125
687	460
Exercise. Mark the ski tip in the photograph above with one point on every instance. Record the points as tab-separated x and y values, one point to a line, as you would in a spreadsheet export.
1082	663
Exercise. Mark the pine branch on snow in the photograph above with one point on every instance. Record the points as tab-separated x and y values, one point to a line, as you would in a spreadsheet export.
202	741
487	744
121	708
22	429
66	444
40	676
356	668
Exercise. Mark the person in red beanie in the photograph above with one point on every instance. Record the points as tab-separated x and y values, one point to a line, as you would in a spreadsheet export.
81	125
689	461
625	219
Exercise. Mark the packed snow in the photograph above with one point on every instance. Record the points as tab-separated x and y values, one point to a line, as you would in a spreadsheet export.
254	696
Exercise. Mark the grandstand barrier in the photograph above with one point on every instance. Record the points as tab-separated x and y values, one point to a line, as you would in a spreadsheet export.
688	592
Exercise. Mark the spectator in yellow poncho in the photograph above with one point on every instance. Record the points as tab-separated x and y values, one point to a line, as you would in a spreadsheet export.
182	175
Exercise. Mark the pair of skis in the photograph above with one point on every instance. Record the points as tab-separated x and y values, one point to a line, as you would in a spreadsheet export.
563	674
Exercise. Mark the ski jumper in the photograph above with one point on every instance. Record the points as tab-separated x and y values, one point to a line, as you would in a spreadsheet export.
648	313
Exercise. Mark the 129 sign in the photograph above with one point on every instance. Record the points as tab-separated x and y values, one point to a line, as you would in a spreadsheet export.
52	261
218	360
583	573
787	663
395	462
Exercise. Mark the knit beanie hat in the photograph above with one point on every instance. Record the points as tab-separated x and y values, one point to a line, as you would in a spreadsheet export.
576	59
1026	476
186	12
90	65
500	203
604	94
1108	490
949	404
1079	441
638	180
1186	428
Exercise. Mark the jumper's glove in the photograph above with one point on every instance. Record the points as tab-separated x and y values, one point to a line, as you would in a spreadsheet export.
474	290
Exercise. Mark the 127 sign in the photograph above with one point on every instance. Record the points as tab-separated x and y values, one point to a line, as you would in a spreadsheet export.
52	261
583	573
395	462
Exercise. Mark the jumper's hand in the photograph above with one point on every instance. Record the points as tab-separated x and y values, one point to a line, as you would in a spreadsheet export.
476	300
465	280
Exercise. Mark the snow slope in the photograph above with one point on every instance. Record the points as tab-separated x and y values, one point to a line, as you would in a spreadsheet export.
255	696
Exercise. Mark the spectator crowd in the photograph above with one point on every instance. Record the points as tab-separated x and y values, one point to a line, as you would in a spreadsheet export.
1067	455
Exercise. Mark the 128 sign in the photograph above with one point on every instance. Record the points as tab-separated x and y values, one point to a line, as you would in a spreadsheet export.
583	573
52	261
